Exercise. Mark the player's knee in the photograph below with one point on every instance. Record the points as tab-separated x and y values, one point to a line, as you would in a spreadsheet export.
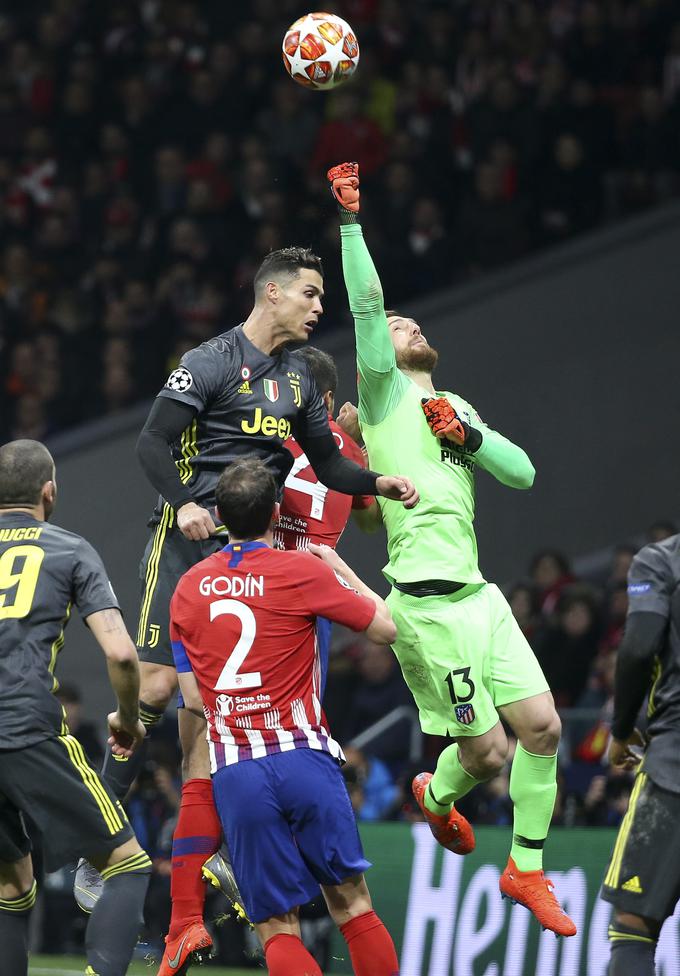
157	684
543	736
486	762
16	879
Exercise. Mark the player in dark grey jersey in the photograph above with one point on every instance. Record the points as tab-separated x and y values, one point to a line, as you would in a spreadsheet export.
643	877
44	572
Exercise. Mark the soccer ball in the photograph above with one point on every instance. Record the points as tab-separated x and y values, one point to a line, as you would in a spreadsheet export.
320	51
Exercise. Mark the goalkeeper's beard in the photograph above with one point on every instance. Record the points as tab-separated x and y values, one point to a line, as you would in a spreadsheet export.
421	359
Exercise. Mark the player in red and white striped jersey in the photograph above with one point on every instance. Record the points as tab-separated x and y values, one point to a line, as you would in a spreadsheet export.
311	512
243	631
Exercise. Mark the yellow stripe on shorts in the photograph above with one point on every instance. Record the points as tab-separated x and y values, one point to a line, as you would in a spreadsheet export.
152	571
614	872
92	782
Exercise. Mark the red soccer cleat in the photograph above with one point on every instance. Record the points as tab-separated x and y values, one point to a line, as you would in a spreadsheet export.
192	945
344	180
453	831
533	890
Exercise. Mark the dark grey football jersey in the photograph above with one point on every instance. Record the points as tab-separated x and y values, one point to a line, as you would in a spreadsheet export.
247	404
44	572
654	587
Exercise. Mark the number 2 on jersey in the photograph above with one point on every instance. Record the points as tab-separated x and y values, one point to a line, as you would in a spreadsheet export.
230	678
19	569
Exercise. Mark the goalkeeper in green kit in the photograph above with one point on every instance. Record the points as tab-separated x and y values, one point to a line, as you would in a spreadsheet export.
461	652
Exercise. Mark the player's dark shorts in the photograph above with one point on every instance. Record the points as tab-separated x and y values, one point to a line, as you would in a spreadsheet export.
166	559
289	827
643	876
53	783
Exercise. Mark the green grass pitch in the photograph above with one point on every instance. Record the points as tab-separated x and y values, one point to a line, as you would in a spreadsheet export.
75	966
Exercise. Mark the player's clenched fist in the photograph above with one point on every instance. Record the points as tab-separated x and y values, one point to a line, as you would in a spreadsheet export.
195	522
445	424
348	419
443	420
398	489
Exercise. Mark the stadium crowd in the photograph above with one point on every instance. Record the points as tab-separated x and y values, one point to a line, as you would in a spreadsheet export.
151	153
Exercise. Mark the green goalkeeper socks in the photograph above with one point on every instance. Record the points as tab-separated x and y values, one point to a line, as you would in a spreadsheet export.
449	783
533	788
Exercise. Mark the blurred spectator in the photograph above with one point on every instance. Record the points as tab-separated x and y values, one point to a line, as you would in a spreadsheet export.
567	647
525	606
379	690
370	785
550	572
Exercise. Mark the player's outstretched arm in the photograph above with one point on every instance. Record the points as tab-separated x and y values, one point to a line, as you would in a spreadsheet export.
122	663
342	474
381	629
380	382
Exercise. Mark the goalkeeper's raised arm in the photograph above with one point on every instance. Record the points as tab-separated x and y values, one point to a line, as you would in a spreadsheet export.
380	382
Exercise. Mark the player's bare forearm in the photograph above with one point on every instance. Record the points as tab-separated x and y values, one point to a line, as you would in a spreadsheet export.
122	662
190	693
381	629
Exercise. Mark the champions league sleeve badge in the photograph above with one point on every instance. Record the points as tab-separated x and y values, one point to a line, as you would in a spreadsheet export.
180	380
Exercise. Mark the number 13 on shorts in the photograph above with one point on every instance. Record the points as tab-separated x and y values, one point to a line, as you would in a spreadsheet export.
461	689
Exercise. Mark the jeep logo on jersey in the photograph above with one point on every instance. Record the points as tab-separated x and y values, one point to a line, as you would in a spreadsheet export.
180	380
271	390
269	426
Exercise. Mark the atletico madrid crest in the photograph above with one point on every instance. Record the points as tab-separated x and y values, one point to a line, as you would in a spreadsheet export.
465	714
271	390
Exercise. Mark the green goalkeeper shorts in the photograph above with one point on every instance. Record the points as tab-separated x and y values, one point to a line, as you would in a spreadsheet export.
463	656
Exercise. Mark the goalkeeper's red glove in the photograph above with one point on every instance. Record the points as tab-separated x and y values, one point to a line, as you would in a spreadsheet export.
445	424
344	180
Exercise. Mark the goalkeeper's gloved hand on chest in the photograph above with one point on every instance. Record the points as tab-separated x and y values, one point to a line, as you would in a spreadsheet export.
445	424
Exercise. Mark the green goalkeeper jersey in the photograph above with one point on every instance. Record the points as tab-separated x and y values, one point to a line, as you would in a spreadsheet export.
436	539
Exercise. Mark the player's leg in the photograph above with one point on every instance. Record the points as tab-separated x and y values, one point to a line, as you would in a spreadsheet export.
314	798
17	890
118	916
522	697
440	642
633	942
268	864
165	559
284	951
533	777
370	945
642	879
197	836
77	814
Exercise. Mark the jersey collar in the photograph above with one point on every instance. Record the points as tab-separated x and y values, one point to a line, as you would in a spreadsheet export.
244	546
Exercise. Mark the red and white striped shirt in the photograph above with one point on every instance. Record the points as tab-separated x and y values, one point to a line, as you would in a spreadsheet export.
244	621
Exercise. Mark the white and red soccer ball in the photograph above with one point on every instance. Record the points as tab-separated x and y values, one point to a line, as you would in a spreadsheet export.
320	51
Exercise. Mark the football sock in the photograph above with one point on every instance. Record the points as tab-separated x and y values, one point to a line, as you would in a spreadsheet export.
285	955
120	772
118	916
198	834
533	788
632	951
14	915
449	783
370	946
